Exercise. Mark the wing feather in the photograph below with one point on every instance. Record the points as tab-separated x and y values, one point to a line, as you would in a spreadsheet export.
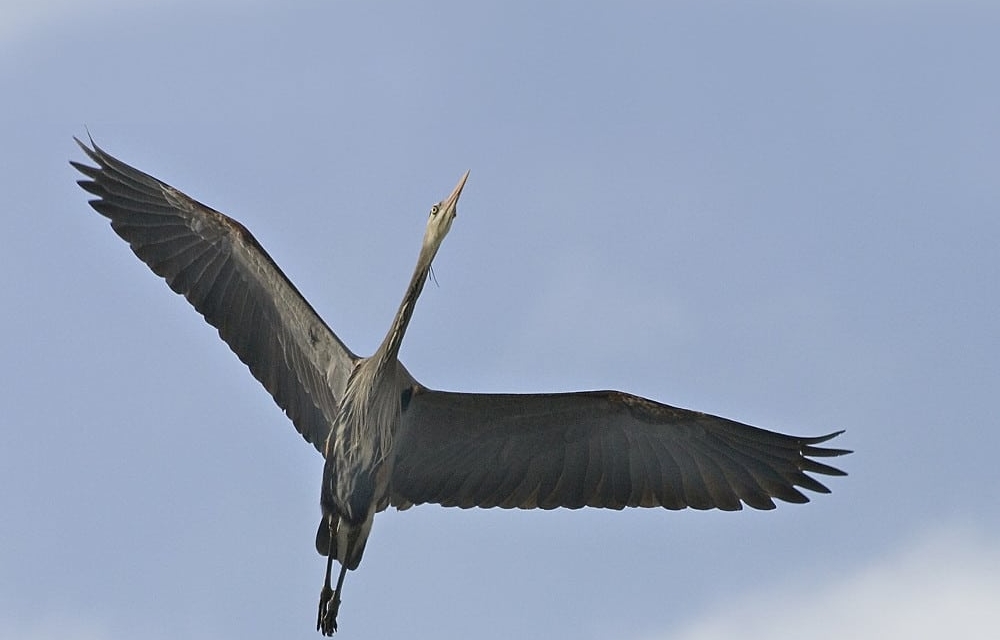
227	276
600	448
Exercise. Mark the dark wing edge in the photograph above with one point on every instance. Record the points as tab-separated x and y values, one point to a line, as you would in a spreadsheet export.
598	448
214	262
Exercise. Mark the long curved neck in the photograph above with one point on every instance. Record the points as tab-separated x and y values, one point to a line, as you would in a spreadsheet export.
388	351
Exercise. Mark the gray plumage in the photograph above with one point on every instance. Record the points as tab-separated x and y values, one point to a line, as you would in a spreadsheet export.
388	440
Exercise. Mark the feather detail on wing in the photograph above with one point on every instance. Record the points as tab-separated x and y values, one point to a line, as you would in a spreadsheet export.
227	276
599	449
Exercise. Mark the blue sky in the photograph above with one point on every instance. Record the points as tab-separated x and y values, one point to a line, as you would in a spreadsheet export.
783	213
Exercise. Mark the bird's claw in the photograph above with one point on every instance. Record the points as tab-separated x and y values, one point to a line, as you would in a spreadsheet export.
326	621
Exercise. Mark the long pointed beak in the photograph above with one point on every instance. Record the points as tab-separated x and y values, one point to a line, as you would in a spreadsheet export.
452	200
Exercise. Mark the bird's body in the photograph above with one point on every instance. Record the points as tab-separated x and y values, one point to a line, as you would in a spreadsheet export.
389	440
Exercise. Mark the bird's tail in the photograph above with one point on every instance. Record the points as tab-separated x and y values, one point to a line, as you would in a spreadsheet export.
354	537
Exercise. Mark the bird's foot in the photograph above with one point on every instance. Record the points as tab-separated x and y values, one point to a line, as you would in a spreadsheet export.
329	604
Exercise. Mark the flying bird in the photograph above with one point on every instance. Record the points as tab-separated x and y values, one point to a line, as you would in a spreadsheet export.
389	440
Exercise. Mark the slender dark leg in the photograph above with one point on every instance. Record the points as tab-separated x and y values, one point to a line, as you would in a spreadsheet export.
325	595
329	600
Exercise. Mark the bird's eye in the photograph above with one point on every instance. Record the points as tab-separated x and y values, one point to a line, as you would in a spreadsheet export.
435	209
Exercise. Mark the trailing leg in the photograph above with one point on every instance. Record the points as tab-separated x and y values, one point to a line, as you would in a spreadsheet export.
329	600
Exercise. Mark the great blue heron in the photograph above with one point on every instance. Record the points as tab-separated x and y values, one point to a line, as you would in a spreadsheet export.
389	440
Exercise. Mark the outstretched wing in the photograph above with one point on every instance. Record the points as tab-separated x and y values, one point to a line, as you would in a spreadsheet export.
599	449
228	277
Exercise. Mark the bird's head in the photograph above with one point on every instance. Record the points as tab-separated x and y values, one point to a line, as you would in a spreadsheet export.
441	216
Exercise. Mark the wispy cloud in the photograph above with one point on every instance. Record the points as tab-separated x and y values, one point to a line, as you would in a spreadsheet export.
943	584
22	20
